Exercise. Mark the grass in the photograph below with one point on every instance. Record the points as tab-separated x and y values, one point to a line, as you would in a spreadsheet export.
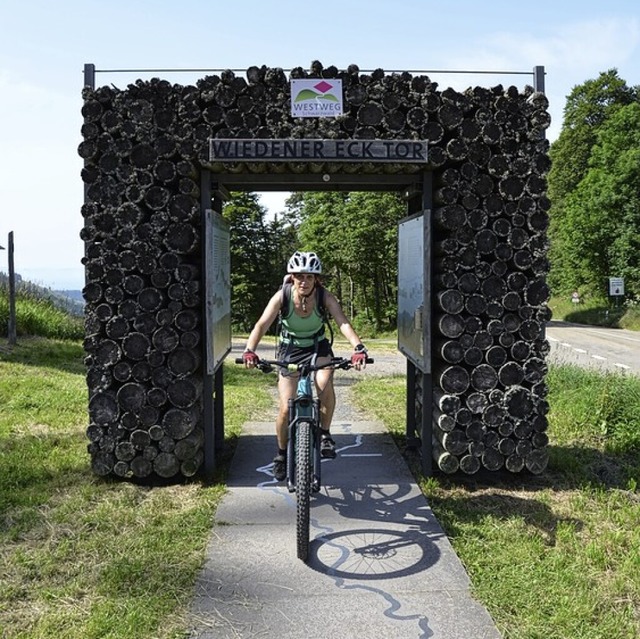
552	555
38	315
83	557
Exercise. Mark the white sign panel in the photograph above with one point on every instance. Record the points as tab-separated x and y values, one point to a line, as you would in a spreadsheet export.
411	321
317	98
218	293
616	286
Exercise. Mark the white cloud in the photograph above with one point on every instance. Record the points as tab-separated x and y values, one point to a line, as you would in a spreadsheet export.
570	52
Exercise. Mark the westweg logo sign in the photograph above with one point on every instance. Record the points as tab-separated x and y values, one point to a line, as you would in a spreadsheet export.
316	98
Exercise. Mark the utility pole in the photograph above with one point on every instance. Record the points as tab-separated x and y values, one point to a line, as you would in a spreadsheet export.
12	295
12	335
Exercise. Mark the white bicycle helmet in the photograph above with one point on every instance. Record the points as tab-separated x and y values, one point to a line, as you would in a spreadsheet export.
301	262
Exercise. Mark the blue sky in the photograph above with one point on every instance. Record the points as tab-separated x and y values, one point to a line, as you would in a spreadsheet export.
44	45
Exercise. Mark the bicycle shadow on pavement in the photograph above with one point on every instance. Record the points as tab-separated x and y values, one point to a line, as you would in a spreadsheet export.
369	486
402	541
369	521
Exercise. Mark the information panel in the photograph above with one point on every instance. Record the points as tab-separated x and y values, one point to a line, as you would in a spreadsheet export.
413	325
218	293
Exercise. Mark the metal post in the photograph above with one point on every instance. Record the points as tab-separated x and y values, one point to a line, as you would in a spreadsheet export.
209	421
12	296
412	429
538	79
90	76
426	430
410	434
218	408
218	196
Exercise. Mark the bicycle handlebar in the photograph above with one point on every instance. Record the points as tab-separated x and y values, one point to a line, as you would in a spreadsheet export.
266	365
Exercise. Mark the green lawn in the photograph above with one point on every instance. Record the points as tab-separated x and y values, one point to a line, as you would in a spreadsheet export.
83	557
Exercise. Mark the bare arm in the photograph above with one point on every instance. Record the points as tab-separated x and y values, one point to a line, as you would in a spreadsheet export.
341	319
266	319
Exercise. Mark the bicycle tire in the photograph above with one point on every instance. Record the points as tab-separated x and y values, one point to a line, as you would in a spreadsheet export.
303	488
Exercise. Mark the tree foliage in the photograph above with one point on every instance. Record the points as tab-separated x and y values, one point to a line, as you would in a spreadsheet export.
603	212
356	237
256	247
354	234
593	187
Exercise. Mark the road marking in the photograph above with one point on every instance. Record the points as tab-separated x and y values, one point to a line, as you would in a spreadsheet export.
579	350
622	366
552	339
565	344
362	455
604	359
612	333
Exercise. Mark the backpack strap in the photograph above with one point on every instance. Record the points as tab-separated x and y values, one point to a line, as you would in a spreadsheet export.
322	309
285	299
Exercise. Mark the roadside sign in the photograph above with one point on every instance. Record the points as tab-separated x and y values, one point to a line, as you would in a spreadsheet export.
616	286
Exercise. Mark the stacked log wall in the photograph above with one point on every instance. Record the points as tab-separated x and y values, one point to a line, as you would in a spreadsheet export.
144	148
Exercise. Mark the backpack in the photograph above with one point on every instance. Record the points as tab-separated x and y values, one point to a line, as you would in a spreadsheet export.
322	309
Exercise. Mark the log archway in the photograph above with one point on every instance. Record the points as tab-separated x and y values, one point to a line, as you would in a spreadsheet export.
478	402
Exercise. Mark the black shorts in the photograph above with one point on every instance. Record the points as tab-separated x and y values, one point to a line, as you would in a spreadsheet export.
297	354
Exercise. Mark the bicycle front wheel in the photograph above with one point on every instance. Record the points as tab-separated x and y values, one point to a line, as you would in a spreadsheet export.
303	487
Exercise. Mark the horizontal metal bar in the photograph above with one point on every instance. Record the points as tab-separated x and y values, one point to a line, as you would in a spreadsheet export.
445	71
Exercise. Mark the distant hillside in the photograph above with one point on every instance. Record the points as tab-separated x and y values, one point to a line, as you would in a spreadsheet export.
69	301
74	295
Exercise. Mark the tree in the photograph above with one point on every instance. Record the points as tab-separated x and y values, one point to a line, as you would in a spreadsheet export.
589	107
603	212
356	237
255	258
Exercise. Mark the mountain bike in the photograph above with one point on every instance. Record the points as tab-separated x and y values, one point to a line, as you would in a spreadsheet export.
303	448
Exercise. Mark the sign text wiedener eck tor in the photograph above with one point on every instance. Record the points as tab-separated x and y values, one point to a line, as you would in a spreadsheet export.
256	150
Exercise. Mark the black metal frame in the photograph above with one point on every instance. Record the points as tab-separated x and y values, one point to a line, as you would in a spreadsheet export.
416	188
419	431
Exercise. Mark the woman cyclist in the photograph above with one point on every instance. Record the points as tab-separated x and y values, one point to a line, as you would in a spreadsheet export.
302	335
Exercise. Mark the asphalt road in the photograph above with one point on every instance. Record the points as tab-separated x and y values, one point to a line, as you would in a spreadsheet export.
612	349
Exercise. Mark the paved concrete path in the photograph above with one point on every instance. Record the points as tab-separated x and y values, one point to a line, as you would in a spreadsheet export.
380	565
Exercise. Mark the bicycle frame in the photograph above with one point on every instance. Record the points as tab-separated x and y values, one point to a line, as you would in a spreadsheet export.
304	407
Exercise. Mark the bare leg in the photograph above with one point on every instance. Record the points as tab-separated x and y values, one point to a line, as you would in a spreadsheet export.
286	390
326	395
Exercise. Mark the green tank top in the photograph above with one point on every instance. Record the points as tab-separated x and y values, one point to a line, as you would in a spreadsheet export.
302	331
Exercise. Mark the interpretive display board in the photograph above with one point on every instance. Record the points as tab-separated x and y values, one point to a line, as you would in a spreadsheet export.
412	324
218	293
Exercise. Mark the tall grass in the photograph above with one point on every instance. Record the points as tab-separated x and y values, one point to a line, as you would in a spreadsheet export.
38	315
597	312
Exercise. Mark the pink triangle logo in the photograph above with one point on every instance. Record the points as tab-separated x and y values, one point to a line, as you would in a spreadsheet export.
323	86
